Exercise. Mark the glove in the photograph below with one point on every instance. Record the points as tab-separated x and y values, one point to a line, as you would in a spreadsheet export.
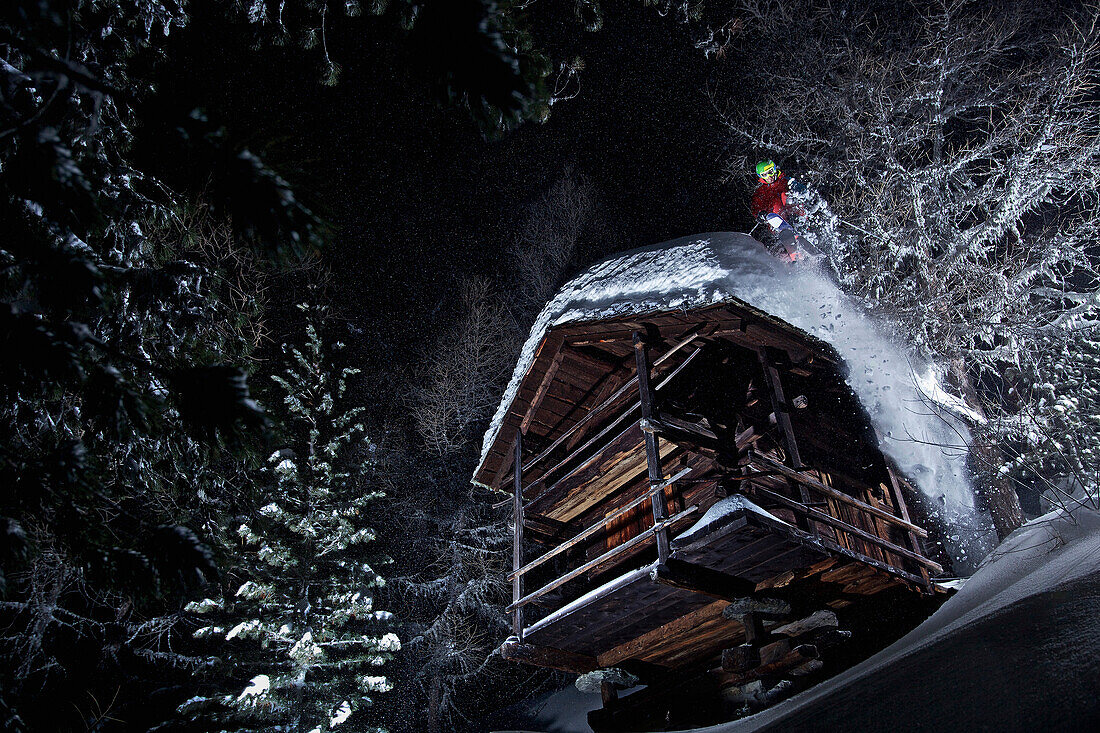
796	187
776	222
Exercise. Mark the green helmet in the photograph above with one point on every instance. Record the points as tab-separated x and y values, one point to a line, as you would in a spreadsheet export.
766	168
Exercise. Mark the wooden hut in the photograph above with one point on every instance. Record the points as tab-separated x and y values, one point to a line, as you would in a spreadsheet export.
684	483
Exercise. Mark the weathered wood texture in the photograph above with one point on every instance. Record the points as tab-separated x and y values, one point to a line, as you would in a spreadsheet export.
619	462
599	436
673	643
557	391
595	528
747	546
605	557
767	463
653	458
543	656
629	613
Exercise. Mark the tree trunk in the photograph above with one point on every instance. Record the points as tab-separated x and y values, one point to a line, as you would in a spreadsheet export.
435	704
993	487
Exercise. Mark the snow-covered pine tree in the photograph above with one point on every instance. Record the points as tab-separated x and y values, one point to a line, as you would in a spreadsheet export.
957	144
124	366
454	592
298	626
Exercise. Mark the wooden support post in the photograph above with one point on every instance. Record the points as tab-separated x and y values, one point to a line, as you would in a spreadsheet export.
783	420
608	694
653	457
899	501
517	536
782	413
754	628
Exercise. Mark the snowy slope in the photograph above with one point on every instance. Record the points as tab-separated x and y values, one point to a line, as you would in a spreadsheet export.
1015	649
901	392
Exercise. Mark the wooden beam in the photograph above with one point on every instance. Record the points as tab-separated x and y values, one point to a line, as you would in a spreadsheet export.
601	559
746	437
779	405
855	555
505	460
653	457
850	529
668	420
596	596
680	627
517	536
810	482
573	455
669	377
674	434
593	440
783	419
899	501
548	526
627	332
546	656
600	391
543	387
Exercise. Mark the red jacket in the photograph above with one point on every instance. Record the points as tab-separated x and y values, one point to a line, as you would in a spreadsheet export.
770	198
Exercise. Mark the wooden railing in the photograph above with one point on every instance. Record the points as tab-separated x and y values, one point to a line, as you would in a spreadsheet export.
768	466
598	526
657	533
650	534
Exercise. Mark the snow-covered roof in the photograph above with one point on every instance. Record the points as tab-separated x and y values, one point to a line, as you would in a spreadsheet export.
684	273
901	392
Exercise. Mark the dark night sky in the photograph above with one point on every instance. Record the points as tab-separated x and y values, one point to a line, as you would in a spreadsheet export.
419	198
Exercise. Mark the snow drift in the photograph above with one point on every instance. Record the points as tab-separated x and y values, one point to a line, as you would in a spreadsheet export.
1014	650
917	419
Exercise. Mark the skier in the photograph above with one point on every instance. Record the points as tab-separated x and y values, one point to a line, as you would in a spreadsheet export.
769	205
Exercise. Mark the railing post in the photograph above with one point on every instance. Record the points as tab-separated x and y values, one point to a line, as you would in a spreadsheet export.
517	535
914	543
652	454
783	420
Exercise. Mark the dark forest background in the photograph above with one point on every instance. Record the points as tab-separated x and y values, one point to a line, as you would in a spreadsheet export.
266	268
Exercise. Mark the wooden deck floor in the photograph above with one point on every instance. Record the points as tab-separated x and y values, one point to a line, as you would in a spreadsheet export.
743	544
747	545
637	606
